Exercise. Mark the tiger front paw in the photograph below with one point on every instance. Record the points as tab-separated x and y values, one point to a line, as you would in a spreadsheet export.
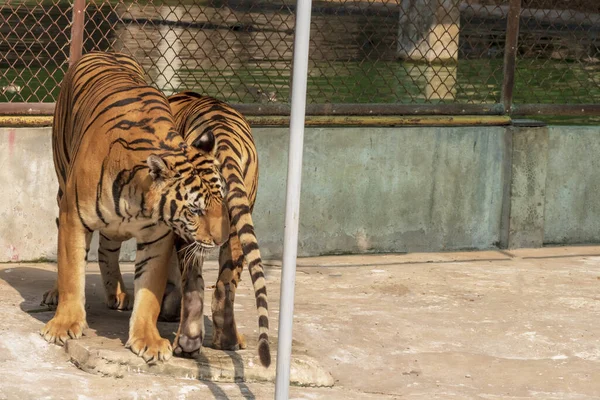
65	325
187	347
151	347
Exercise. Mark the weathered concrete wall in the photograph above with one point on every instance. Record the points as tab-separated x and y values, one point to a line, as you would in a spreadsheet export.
385	190
364	190
572	208
28	189
369	190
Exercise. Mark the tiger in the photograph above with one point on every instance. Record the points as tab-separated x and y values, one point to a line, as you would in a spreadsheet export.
124	170
202	120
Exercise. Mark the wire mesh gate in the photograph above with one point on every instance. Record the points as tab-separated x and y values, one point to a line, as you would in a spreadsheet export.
516	57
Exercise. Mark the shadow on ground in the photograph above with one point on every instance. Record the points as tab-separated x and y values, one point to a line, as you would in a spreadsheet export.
32	282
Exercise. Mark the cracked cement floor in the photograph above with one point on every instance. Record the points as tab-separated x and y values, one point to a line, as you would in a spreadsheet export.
513	324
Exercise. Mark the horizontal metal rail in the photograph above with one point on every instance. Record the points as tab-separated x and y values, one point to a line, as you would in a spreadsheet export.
319	120
358	110
574	110
311	109
26	108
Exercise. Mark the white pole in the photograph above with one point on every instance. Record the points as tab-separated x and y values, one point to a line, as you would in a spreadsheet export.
292	200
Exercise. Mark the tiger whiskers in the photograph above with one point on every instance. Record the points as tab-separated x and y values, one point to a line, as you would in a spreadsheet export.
191	255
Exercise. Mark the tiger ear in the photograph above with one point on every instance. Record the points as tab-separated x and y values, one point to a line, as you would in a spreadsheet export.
158	168
205	142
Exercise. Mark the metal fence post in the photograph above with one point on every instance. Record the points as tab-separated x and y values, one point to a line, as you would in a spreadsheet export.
77	26
510	53
292	201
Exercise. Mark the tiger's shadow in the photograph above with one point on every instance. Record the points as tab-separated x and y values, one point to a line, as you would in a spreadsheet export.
32	282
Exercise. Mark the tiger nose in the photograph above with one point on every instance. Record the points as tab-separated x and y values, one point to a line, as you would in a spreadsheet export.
208	243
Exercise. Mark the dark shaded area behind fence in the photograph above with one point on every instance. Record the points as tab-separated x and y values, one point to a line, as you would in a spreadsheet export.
403	57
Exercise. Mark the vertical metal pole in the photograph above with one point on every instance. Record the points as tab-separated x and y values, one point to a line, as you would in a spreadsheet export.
510	53
77	31
292	201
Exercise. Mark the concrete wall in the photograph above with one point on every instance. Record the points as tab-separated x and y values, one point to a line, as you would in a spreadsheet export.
572	206
369	190
28	189
385	190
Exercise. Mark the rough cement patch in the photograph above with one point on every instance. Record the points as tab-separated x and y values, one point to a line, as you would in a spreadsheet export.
108	357
462	326
528	186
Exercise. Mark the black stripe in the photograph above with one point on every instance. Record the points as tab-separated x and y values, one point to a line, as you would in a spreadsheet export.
262	290
263	322
189	180
261	302
79	211
122	179
140	246
241	210
246	229
163	146
161	206
173	209
234	179
162	119
254	262
256	275
229	146
233	194
99	194
139	267
137	141
249	247
172	135
185	170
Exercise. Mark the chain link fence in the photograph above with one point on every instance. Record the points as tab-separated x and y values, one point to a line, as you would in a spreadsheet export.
366	56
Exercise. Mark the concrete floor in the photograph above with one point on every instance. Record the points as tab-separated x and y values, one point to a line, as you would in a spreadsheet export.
482	325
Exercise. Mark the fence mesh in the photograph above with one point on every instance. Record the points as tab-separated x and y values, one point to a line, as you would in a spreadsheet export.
411	52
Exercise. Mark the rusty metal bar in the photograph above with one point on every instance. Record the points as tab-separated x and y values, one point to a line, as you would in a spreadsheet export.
510	53
374	109
26	108
362	111
283	109
334	120
311	109
77	31
385	120
577	110
23	121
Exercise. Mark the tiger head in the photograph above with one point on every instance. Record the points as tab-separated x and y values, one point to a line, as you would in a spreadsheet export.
191	200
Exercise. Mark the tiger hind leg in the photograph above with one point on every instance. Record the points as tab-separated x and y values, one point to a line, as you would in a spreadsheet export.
231	264
117	297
